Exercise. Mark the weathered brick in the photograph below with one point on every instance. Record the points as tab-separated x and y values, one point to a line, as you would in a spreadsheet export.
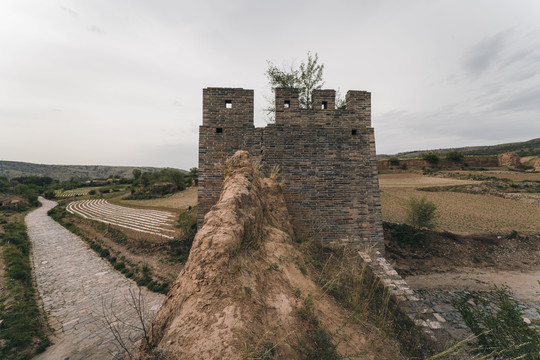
326	156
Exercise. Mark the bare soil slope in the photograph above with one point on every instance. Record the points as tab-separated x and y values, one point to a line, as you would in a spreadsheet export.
242	294
449	252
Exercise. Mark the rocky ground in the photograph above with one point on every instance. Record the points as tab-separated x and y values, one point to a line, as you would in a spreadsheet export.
450	264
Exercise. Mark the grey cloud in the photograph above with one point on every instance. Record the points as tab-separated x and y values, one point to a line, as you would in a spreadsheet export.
96	30
398	131
481	56
69	11
526	100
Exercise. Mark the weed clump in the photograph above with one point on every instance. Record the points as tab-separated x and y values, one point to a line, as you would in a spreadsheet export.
421	213
343	274
499	328
404	234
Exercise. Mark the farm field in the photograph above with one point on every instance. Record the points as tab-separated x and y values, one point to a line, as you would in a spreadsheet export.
459	212
74	192
413	180
152	222
177	202
512	175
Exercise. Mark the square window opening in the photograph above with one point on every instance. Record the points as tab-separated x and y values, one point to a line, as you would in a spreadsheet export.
324	105
287	104
354	132
228	104
219	130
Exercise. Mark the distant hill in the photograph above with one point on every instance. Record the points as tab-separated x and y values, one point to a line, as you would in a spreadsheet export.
13	169
524	148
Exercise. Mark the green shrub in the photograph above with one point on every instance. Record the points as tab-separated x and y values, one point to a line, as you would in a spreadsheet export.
49	194
406	234
499	328
393	161
21	328
421	213
454	155
431	158
187	221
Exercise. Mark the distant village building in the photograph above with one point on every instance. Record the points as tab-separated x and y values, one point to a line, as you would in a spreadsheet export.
12	202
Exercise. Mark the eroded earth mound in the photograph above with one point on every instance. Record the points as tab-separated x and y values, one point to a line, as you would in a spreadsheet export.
510	160
244	292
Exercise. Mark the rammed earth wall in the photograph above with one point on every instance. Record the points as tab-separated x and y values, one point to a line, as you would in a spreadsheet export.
326	157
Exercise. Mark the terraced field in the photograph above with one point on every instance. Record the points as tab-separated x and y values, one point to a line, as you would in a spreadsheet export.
153	222
74	192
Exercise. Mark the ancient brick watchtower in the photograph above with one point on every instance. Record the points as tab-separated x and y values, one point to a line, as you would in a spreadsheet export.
326	156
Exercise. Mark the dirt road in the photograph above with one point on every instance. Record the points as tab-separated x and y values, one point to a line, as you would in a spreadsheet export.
524	285
77	288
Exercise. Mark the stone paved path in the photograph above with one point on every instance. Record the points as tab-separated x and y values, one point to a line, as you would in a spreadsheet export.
74	284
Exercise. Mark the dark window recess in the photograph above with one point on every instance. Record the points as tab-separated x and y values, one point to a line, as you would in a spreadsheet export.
219	130
287	104
354	132
228	104
324	105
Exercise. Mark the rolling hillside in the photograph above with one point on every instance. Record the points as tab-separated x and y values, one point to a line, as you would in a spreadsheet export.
524	148
13	169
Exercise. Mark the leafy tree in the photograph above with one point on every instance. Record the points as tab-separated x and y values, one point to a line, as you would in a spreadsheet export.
136	173
307	77
194	175
454	155
421	213
34	180
5	185
394	161
174	176
146	178
49	194
431	157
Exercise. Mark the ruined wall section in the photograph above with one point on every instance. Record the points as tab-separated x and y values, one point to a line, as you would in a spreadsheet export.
328	166
227	127
326	156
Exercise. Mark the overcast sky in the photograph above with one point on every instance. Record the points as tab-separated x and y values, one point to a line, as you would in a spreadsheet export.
119	82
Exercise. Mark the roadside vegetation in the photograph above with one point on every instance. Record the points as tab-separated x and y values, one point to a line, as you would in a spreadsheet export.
498	326
343	274
23	328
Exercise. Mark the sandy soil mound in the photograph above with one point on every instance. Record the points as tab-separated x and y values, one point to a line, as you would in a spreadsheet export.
533	161
510	160
242	293
447	252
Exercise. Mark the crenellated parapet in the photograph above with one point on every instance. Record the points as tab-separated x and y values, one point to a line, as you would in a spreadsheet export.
326	156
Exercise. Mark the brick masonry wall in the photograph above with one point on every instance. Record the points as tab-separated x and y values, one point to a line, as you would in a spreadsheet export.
326	156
